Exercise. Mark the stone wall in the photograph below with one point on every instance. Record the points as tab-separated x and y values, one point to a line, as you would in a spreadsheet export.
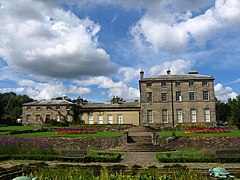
205	143
93	143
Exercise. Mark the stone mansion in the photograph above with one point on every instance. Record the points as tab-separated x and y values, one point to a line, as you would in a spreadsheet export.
165	100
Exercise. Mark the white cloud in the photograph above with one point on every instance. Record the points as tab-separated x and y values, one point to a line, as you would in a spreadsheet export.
178	66
79	90
224	93
127	93
174	28
49	41
127	74
100	82
229	11
118	88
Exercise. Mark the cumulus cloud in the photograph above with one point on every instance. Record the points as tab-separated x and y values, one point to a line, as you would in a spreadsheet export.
127	74
178	66
79	90
173	29
49	41
224	93
115	88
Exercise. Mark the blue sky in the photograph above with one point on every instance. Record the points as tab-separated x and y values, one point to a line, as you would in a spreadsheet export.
95	49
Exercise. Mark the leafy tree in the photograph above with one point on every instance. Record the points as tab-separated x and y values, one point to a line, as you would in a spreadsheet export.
223	111
234	105
11	106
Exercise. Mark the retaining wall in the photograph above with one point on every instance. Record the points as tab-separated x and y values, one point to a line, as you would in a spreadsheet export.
208	143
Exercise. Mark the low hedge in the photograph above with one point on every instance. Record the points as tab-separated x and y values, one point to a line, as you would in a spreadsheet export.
185	159
33	157
181	158
108	157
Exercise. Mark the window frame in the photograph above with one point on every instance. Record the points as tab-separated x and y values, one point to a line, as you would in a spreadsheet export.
179	116
150	116
118	118
149	97
90	119
191	83
164	116
207	116
164	97
190	96
110	120
163	84
179	97
149	84
193	116
206	98
178	83
205	83
100	121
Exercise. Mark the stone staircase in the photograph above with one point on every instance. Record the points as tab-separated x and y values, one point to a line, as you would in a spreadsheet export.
140	140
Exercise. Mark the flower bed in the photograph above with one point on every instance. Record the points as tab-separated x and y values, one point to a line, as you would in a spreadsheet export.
207	130
76	131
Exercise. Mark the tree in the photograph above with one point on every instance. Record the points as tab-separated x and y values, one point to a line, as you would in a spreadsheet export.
234	105
11	106
223	111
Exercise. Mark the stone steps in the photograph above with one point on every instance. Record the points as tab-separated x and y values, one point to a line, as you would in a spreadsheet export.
139	147
142	129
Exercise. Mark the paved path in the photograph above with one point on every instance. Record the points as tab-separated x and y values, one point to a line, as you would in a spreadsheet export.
140	158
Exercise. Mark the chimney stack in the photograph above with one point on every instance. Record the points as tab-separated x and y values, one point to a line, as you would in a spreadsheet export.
168	72
141	74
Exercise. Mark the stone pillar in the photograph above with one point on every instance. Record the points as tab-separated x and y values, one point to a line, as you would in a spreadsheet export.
125	136
155	141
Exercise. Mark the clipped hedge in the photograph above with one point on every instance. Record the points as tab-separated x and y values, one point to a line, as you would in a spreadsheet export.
107	157
33	157
185	159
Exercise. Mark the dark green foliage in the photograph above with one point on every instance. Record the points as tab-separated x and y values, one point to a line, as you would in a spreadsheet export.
203	157
105	174
223	111
11	106
234	105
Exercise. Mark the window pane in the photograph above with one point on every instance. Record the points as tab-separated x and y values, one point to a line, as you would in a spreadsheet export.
57	118
38	118
207	117
100	119
191	96
193	115
120	119
90	119
149	96
205	95
150	116
164	96
165	116
204	83
149	84
191	83
163	84
178	83
178	96
179	116
110	119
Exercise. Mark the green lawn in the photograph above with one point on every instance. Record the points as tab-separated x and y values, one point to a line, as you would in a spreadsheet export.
235	133
54	135
15	128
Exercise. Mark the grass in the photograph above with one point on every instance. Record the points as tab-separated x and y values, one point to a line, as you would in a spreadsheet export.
17	128
54	135
233	133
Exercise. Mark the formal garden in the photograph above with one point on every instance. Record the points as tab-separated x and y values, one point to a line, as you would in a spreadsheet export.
90	144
